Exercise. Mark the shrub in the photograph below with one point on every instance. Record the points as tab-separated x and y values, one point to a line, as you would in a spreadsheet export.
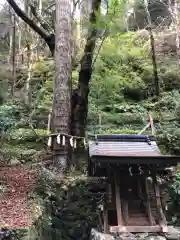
174	192
9	116
171	79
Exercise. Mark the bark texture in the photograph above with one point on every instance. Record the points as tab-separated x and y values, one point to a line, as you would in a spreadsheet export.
61	111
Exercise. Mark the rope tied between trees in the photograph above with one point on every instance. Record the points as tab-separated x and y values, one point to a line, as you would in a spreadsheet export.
61	139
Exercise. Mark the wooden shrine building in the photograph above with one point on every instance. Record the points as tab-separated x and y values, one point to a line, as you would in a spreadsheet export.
131	164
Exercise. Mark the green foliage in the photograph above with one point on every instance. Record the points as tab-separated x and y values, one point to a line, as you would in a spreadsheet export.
131	129
4	78
170	78
16	154
167	114
19	234
174	191
70	206
123	118
22	145
114	71
123	82
2	92
9	116
28	135
168	101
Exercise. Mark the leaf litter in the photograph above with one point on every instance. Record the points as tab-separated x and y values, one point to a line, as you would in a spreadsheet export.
15	209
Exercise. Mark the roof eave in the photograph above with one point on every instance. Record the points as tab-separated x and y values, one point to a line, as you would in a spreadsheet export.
161	159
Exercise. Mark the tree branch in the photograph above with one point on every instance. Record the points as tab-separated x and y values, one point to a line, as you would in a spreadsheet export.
38	16
49	7
80	95
86	60
29	21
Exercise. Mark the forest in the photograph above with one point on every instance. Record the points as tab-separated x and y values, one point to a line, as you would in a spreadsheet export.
68	70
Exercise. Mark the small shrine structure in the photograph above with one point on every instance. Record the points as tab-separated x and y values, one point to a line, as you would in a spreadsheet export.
132	165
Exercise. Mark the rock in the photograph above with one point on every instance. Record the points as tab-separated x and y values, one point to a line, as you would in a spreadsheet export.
142	236
154	237
125	236
95	235
173	233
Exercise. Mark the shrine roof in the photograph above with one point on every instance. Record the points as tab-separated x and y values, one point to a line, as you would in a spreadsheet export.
118	145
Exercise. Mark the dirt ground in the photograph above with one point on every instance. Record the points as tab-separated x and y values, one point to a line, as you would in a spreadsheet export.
15	184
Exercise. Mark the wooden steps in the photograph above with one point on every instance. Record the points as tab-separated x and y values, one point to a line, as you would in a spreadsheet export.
136	209
138	219
138	214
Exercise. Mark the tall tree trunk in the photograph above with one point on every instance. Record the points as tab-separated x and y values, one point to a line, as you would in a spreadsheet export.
10	35
153	52
13	55
173	9
38	39
61	111
80	95
19	44
29	69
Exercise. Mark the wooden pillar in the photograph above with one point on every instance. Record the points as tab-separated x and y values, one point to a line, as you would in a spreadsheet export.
125	211
109	186
107	201
139	182
118	200
148	205
161	216
105	213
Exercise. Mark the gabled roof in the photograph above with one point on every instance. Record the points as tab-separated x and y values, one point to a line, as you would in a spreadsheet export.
114	145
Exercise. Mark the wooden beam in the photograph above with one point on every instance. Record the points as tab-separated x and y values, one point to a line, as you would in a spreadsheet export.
118	200
148	205
154	160
161	216
131	229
